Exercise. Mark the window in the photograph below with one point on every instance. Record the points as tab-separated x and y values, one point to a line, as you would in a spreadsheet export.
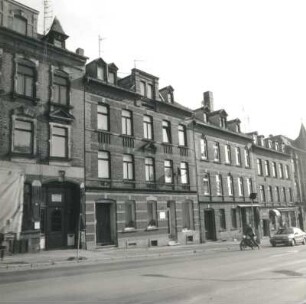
103	164
249	186
25	78
23	136
227	154
59	141
237	128
149	169
130	216
240	187
234	217
230	185
169	97
222	219
152	213
284	194
281	172
274	172
166	132
287	176
290	195
100	73
205	117
60	87
128	167
262	193
126	122
143	88
58	43
147	127
238	156
269	143
111	77
277	194
150	91
184	173
219	190
216	148
247	157
103	118
222	122
182	135
20	25
270	194
276	146
267	168
203	147
206	184
259	166
168	171
187	214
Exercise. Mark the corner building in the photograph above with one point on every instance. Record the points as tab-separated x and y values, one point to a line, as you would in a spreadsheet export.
139	161
41	128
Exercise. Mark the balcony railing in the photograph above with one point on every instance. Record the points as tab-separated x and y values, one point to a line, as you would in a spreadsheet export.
128	141
104	138
183	151
167	149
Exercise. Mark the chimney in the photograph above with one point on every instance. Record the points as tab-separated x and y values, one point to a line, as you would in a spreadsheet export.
208	101
80	51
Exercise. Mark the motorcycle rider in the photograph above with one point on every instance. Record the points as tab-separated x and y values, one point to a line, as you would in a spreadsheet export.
250	234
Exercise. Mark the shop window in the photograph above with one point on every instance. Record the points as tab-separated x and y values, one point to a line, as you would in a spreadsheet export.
130	214
222	219
187	214
152	214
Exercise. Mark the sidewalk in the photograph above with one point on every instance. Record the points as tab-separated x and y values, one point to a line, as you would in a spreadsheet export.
68	257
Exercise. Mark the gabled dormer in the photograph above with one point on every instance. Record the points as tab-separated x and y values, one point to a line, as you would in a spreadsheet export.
254	136
218	118
56	35
202	114
167	94
234	125
102	71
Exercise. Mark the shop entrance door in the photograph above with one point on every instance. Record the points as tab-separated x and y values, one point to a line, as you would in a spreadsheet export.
55	227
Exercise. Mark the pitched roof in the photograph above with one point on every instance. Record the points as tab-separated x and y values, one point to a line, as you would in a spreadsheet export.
300	142
57	27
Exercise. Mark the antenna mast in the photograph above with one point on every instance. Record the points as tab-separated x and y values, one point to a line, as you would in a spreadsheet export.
48	14
100	39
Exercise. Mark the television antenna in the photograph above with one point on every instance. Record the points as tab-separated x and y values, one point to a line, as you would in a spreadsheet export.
48	13
100	39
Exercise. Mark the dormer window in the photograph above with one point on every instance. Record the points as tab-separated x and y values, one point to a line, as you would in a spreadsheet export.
58	43
100	73
254	139
111	77
150	91
222	122
269	143
276	146
169	97
237	128
142	88
205	117
20	24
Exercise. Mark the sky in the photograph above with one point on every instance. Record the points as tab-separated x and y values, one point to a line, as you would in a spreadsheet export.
250	54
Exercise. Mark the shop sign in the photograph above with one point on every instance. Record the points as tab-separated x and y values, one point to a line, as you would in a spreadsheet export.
56	198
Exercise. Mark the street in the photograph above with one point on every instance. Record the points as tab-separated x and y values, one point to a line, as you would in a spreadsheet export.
269	276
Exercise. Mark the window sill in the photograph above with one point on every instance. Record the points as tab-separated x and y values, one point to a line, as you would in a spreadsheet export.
20	96
151	228
129	229
61	161
23	157
59	105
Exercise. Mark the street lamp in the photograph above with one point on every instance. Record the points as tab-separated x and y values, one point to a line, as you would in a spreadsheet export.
253	197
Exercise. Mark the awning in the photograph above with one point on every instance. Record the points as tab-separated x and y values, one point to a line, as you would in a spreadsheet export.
249	206
275	212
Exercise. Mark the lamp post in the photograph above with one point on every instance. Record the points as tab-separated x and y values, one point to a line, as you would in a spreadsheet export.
253	197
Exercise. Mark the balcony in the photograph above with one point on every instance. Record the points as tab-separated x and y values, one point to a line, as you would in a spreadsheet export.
183	151
104	138
167	149
128	141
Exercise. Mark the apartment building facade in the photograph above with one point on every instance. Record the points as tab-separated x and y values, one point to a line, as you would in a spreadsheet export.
41	123
140	180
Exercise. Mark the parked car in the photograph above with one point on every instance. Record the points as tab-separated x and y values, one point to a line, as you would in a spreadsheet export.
288	236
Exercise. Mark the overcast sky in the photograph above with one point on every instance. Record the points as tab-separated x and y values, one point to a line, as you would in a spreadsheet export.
250	54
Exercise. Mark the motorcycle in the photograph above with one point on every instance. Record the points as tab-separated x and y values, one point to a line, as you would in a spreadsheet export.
248	242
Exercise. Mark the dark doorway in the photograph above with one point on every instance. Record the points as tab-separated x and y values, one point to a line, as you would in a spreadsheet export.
103	224
209	220
266	227
243	219
56	231
172	221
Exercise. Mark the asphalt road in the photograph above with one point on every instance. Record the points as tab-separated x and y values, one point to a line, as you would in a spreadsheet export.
267	276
